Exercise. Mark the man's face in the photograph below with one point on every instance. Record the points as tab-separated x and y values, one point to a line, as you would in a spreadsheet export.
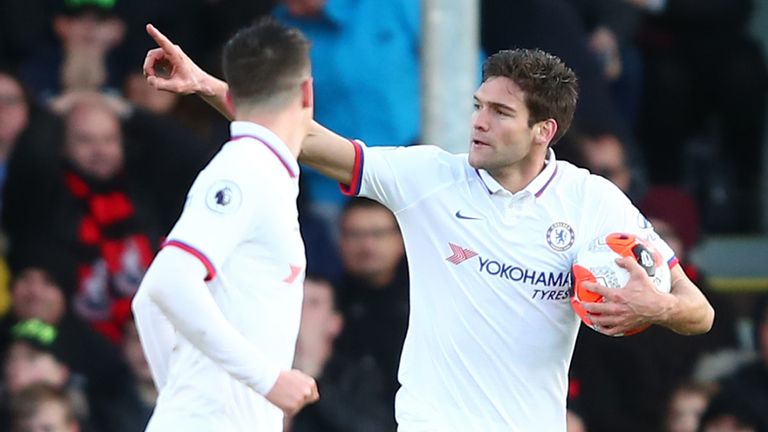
305	7
14	112
50	416
605	156
26	365
320	322
36	295
501	136
685	411
94	142
371	245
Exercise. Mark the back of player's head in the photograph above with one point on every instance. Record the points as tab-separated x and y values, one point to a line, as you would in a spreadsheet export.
265	64
551	88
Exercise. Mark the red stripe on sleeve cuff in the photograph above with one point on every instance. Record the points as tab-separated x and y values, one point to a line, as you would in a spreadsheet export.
197	254
353	188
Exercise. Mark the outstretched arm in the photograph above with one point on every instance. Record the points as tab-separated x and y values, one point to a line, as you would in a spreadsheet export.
169	68
684	310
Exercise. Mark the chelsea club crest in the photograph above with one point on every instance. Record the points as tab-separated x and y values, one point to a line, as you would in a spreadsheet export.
560	236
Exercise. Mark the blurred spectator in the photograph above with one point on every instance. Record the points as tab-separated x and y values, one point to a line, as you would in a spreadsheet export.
351	390
675	217
95	363
373	293
88	31
733	411
319	240
602	153
137	363
38	353
360	92
611	27
574	422
112	196
43	408
14	119
27	131
703	117
35	356
744	395
686	406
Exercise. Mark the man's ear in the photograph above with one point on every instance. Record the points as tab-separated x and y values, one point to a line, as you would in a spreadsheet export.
61	26
307	93
544	131
230	103
336	325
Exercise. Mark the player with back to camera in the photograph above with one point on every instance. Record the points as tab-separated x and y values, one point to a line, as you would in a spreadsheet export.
490	239
218	311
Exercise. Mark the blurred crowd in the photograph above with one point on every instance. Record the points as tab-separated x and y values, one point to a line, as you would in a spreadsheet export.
95	165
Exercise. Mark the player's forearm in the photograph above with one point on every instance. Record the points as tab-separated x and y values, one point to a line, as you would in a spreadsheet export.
156	335
175	284
329	153
214	92
690	312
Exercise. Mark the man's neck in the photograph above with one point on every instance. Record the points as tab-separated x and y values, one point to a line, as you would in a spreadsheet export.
283	124
517	176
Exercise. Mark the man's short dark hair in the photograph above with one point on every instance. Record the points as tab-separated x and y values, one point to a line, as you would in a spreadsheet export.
360	202
265	63
551	88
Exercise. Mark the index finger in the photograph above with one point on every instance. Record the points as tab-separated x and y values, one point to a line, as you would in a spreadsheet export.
162	41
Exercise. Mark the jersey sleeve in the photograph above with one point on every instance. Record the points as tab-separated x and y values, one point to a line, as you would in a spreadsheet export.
618	214
398	176
222	207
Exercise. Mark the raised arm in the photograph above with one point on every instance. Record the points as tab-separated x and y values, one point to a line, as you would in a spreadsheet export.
168	68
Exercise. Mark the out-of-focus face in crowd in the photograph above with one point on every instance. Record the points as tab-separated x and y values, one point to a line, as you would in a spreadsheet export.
26	365
37	295
94	143
371	244
14	111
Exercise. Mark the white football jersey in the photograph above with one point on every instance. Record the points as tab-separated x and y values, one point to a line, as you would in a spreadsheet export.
491	329
241	221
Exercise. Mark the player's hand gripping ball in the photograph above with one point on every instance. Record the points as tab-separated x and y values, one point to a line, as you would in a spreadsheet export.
597	263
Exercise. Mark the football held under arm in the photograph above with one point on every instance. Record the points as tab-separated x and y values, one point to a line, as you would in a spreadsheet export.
175	284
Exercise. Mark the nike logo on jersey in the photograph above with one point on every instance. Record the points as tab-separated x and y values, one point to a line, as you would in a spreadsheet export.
462	216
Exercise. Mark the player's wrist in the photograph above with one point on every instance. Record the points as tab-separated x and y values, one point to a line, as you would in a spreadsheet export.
667	307
208	86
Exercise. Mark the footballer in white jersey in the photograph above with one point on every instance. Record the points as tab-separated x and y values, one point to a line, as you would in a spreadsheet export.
256	269
491	330
218	311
